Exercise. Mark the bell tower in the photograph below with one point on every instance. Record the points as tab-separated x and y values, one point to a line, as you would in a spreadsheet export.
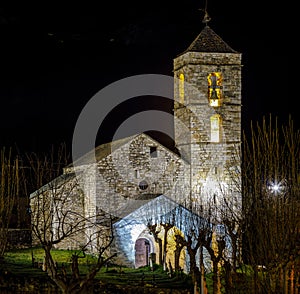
207	113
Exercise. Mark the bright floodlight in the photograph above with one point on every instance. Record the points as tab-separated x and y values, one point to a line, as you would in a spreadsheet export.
276	187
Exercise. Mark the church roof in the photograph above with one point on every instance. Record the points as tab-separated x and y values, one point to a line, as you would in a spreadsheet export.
102	151
208	41
106	149
155	208
54	184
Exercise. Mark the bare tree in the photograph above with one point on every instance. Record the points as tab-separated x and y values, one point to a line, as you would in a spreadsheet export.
160	220
192	226
179	245
229	215
155	231
272	205
166	228
9	189
218	233
212	238
60	219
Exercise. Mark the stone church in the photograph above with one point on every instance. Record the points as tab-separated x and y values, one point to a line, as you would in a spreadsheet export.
140	181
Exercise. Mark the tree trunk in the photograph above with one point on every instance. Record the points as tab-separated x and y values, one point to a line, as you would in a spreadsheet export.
166	227
228	277
75	269
177	258
160	250
194	271
216	278
180	243
234	252
152	229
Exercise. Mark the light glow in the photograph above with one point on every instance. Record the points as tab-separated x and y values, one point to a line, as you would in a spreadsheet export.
215	128
214	80
276	187
181	88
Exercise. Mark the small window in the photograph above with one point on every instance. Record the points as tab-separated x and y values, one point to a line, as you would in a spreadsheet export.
215	198
153	151
216	170
215	122
181	88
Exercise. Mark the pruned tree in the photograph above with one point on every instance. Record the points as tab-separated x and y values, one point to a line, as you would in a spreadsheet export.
215	247
160	220
193	226
229	216
212	238
179	245
9	189
155	231
60	219
166	228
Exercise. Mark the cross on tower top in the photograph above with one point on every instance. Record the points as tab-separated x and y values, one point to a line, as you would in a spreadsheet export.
206	17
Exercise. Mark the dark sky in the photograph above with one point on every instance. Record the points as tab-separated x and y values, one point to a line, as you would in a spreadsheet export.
54	58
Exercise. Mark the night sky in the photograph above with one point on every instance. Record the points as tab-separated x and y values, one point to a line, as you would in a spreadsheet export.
55	58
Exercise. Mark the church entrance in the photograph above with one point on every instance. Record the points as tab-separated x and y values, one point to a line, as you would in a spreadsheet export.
142	252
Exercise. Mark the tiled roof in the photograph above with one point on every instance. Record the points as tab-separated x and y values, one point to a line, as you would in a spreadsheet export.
209	41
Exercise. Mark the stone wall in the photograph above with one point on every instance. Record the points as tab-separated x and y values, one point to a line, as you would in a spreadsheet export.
118	184
210	161
132	174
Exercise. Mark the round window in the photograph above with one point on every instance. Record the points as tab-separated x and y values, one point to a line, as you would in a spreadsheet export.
143	185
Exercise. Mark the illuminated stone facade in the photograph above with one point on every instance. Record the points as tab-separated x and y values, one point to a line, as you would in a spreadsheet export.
213	161
136	176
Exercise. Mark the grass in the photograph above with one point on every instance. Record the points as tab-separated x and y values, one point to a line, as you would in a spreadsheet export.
24	256
19	263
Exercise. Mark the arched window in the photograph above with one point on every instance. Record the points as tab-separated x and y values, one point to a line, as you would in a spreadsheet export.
214	80
215	128
181	88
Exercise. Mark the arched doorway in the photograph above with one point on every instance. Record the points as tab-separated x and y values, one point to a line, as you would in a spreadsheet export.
142	252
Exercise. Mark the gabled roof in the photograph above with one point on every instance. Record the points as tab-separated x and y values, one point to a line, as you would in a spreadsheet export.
101	151
106	149
54	184
131	205
158	207
208	41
